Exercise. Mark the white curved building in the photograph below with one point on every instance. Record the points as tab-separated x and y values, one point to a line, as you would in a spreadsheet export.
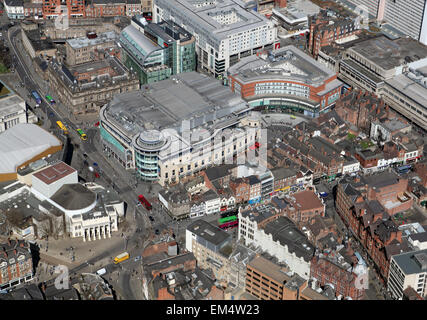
175	127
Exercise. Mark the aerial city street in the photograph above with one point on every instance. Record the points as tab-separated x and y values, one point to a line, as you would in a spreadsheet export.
213	150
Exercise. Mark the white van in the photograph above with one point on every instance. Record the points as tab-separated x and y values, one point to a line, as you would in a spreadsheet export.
101	272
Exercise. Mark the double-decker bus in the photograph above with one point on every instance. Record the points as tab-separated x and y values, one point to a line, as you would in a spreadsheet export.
82	135
50	99
229	225
148	16
229	213
227	219
144	202
36	97
62	127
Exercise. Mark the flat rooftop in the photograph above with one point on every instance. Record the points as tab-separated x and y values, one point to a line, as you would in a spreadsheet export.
206	17
82	42
54	173
11	104
270	269
297	10
209	232
389	54
381	180
410	87
258	213
165	104
169	31
287	63
412	262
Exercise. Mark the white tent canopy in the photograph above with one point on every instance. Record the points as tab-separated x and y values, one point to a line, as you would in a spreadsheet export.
22	143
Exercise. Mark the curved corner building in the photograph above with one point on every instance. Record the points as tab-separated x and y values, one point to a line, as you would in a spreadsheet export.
167	130
288	79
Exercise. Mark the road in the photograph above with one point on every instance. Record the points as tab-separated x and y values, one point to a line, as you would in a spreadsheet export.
139	220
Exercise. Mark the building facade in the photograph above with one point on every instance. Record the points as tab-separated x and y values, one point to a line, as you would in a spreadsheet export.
285	79
224	31
85	49
157	51
86	87
12	111
155	145
408	270
16	263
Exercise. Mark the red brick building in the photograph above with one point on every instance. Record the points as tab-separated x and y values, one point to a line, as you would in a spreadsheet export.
269	281
241	189
360	203
15	262
327	272
105	8
305	84
307	205
325	29
368	158
53	8
360	108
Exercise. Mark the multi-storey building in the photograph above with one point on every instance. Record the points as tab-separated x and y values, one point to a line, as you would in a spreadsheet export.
85	49
211	246
14	9
33	10
344	281
85	87
105	8
12	111
267	280
267	228
158	131
407	93
286	78
157	51
224	30
410	20
16	263
70	8
363	204
324	30
408	270
393	70
317	154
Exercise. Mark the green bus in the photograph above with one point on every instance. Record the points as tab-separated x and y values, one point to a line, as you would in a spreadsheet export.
227	219
50	99
81	134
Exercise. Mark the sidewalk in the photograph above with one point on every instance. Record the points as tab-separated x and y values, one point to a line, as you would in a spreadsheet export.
83	251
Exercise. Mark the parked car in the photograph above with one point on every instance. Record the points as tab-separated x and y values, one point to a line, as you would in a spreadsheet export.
151	218
157	232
